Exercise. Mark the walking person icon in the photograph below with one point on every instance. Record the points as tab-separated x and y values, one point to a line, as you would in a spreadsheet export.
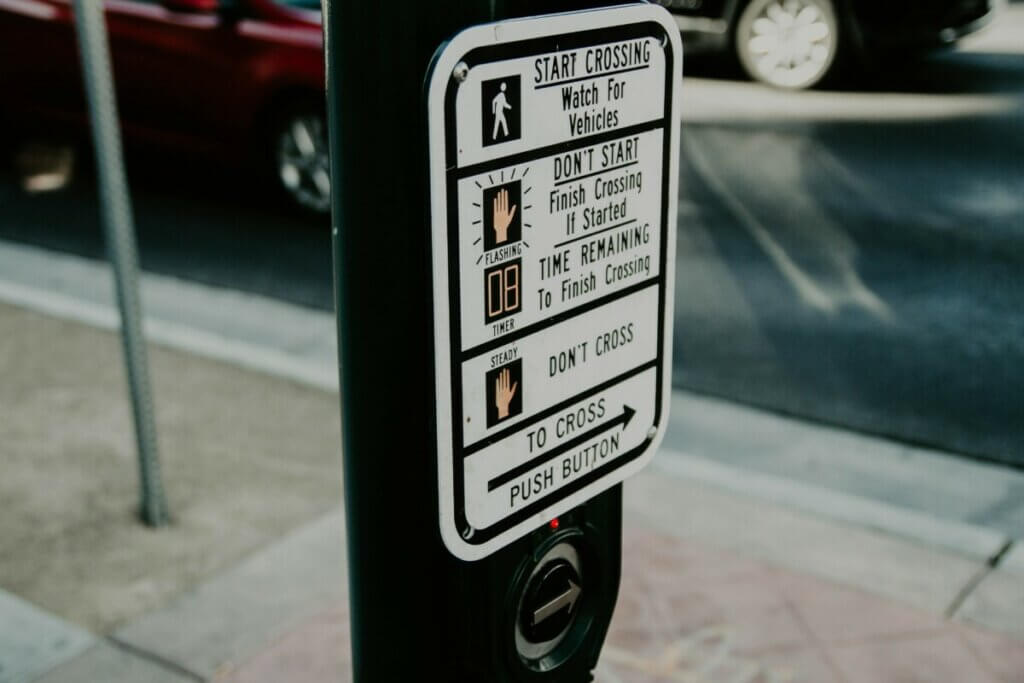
500	110
498	106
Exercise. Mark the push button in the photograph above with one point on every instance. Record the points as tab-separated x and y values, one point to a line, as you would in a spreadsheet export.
550	601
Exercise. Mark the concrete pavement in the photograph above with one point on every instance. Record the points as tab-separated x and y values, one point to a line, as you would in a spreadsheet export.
735	569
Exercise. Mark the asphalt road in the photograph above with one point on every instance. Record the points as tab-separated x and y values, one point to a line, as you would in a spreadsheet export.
194	222
858	257
855	256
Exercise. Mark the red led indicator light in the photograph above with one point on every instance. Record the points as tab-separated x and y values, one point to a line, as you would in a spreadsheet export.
553	524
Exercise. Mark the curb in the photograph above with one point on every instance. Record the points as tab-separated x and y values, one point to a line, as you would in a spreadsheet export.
974	542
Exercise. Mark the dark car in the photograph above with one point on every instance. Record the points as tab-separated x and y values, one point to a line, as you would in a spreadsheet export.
238	81
797	43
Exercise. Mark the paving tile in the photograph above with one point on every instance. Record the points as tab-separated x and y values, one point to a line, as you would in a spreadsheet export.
941	658
643	622
664	592
997	603
1002	656
756	591
316	652
236	614
768	629
892	568
33	641
106	663
837	614
705	656
677	618
757	612
801	666
646	547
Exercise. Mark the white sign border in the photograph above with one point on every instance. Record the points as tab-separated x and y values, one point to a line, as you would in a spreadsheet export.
442	69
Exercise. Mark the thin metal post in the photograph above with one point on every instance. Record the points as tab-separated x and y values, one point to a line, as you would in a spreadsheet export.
119	230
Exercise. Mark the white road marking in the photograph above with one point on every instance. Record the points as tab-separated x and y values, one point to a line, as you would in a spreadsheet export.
802	284
722	102
836	249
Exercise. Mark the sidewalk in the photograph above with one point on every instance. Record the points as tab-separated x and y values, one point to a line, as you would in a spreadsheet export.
726	577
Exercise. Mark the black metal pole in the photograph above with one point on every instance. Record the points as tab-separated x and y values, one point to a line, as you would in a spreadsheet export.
378	54
417	613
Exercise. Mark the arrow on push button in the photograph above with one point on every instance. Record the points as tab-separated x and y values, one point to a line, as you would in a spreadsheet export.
566	599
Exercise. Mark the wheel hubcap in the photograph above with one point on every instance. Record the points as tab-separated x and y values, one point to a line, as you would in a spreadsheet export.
791	43
302	162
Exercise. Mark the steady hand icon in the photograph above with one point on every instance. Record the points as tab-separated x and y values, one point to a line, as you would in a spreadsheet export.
503	393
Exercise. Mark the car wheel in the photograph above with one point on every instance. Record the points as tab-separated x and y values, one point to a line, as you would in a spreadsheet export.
787	43
303	171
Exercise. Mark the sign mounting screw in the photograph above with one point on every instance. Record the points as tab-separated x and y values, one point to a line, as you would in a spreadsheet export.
460	72
652	432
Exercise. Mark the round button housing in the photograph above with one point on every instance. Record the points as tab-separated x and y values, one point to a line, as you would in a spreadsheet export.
549	602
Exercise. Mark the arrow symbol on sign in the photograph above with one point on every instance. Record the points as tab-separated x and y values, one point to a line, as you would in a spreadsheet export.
566	599
621	419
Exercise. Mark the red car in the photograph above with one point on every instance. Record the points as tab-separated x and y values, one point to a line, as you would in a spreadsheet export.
240	81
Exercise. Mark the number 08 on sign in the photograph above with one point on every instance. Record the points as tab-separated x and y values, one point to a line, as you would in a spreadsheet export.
553	174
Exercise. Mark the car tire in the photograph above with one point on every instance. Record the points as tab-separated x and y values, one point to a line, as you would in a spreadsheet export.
299	152
790	44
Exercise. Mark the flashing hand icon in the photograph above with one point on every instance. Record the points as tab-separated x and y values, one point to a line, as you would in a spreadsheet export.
502	216
503	393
